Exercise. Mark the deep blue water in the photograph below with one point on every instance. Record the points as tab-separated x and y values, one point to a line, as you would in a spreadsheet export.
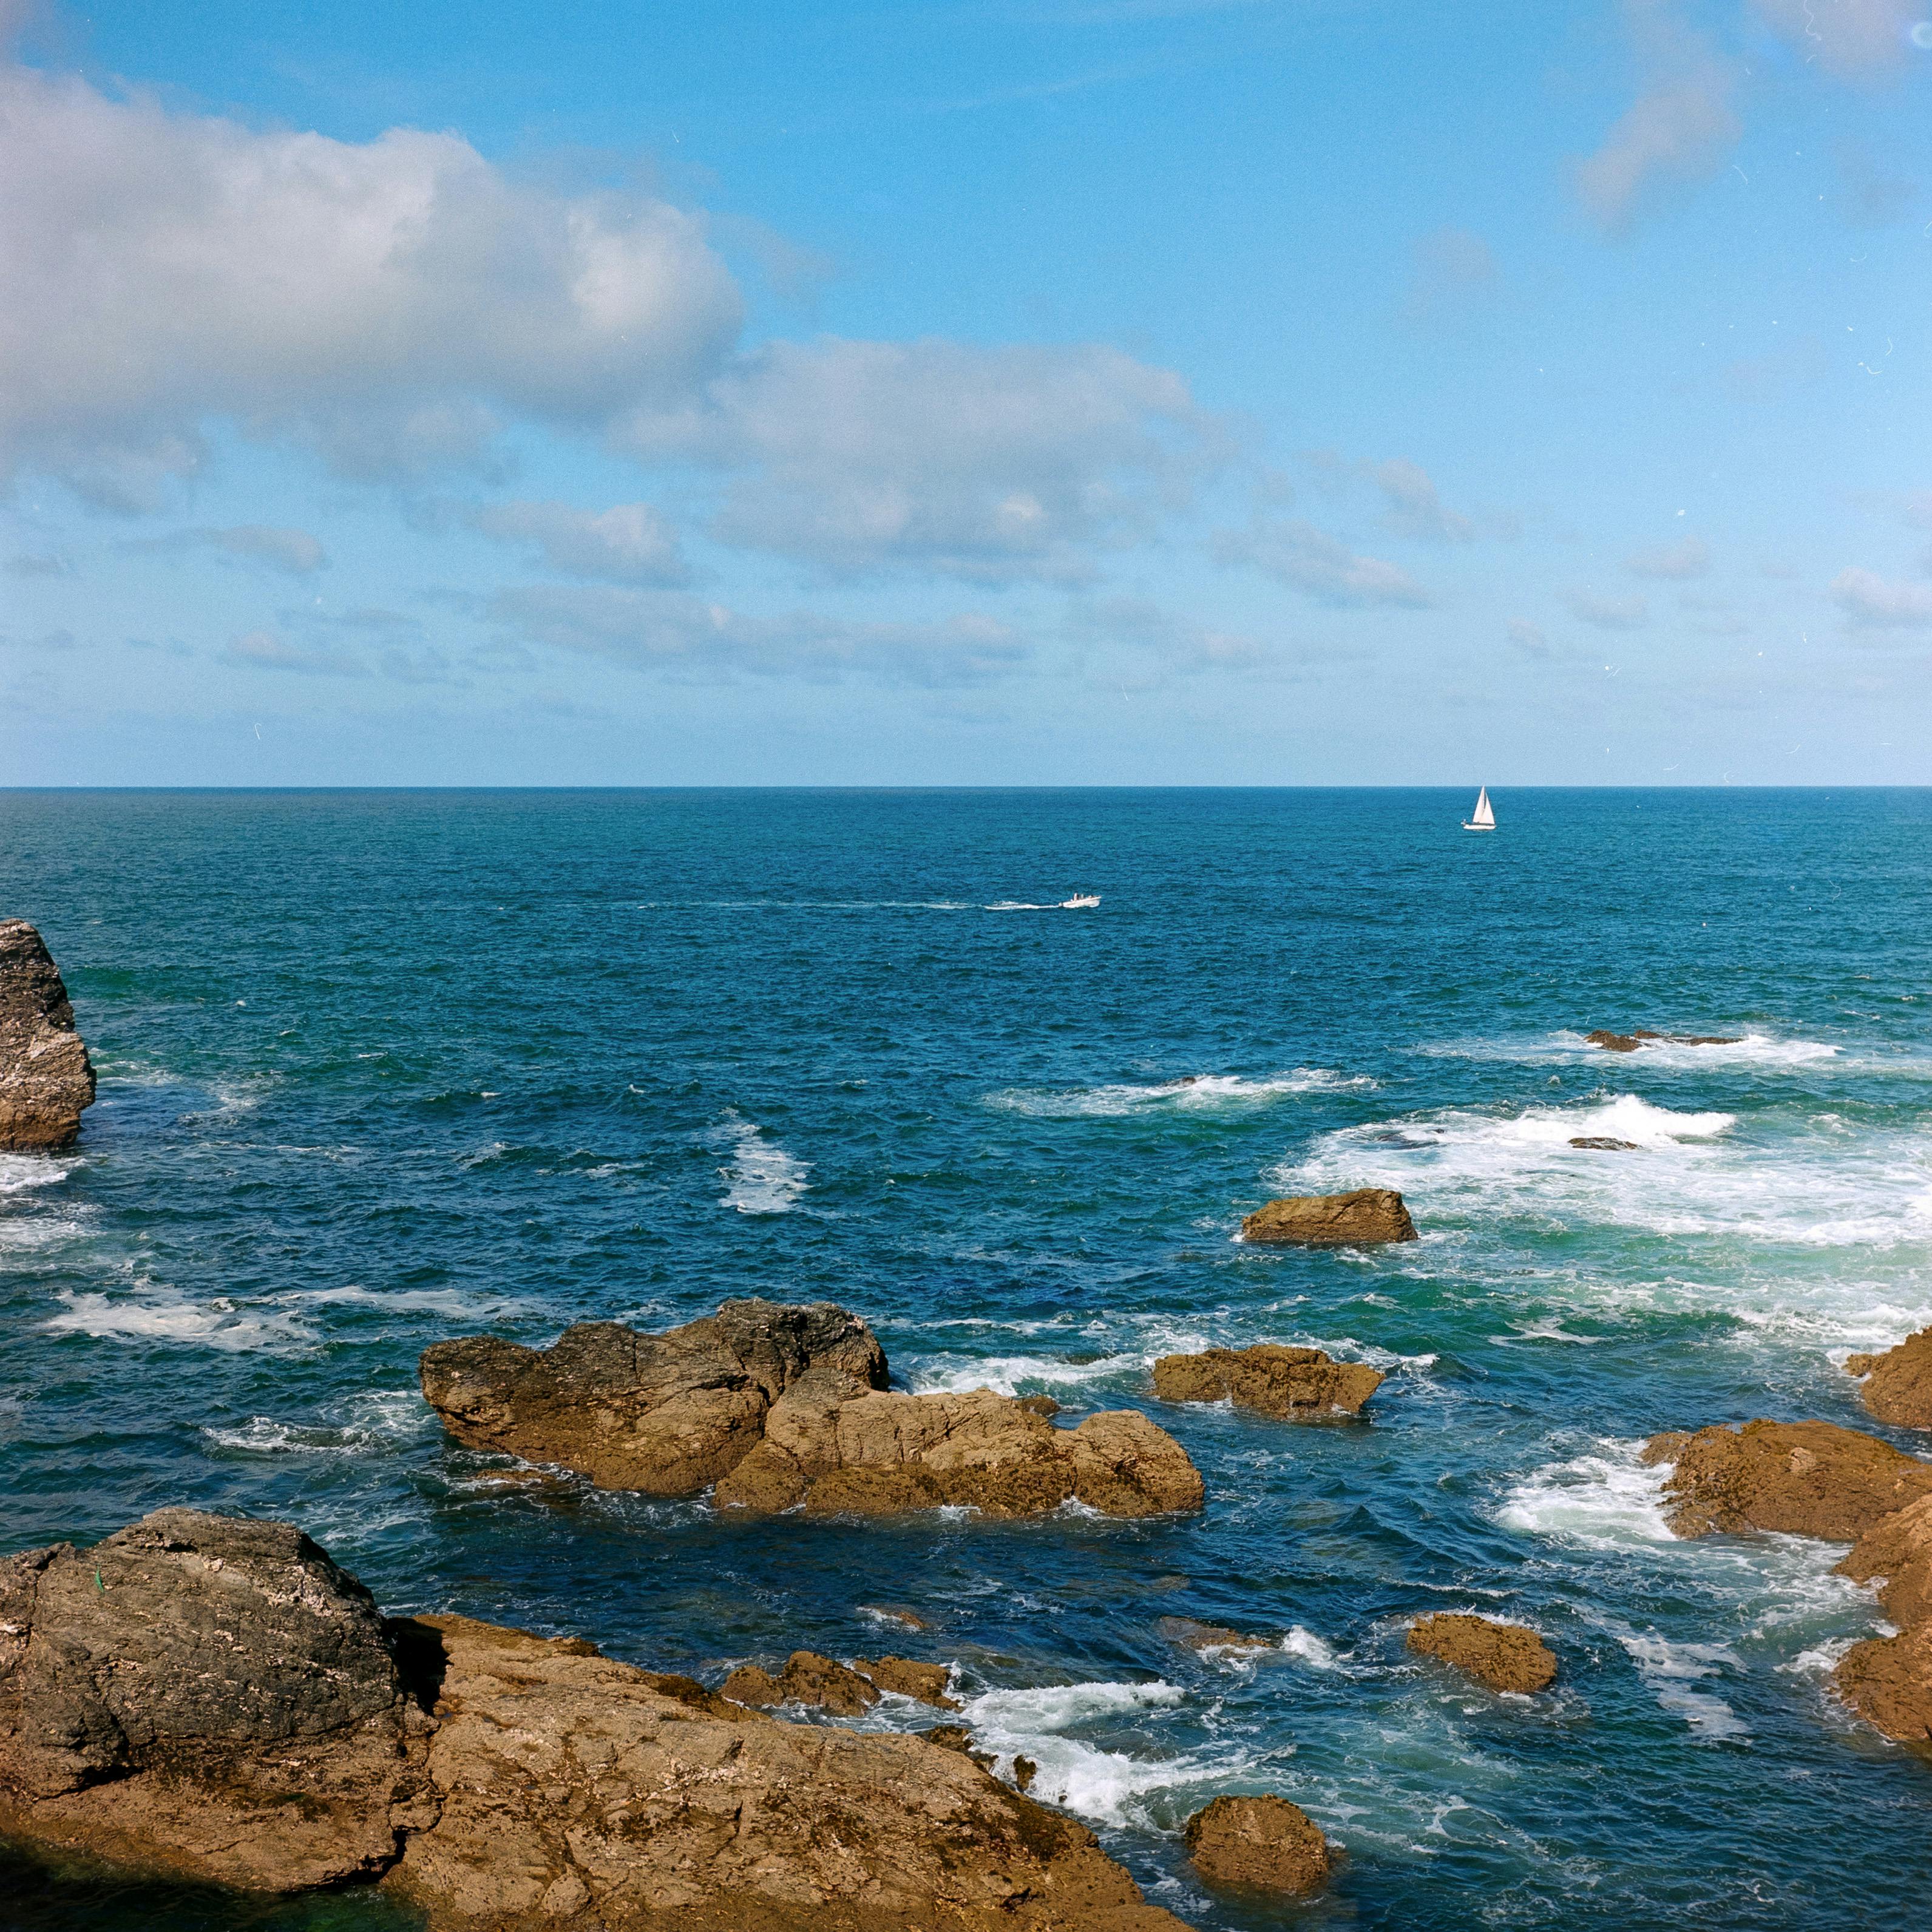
379	1068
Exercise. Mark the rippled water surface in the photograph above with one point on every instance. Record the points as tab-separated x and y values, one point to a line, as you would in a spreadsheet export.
380	1068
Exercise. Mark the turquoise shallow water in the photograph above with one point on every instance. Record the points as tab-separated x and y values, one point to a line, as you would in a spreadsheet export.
379	1068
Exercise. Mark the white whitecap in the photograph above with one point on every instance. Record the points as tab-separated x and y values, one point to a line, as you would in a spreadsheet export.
763	1178
1201	1092
215	1324
21	1174
1604	1500
1310	1649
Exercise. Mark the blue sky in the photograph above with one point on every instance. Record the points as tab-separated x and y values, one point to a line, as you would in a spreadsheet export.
1085	392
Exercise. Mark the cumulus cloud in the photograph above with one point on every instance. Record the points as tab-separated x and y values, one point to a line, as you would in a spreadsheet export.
1181	641
1874	603
1851	37
1679	127
1415	508
295	552
990	464
667	631
1310	560
629	543
1690	556
390	302
1608	613
265	650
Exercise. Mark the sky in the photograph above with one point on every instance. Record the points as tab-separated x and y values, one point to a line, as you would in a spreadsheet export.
979	392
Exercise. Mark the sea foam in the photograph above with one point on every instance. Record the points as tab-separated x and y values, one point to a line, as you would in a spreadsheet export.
1198	1093
763	1177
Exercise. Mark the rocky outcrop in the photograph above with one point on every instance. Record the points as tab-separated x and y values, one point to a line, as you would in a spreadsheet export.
213	1696
1298	1384
1804	1478
666	1413
846	1691
1259	1845
1898	1383
216	1698
834	1448
1629	1043
46	1077
1205	1638
1505	1657
1362	1219
1603	1144
1814	1479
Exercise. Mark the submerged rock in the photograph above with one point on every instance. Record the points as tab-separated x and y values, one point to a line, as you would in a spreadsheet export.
1898	1383
1301	1385
1361	1219
666	1414
1505	1657
1604	1143
1804	1478
216	1698
1259	1844
1203	1637
835	1449
46	1077
1629	1043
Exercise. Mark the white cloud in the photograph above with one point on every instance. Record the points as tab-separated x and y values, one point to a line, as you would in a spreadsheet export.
1298	554
1851	37
1414	508
295	551
390	302
991	464
1690	556
1182	642
629	543
668	630
265	650
1608	613
1680	127
1874	603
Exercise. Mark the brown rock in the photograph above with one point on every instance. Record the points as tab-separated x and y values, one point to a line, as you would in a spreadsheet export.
1898	1549
1888	1681
1629	1043
1259	1844
216	1698
1299	1384
807	1678
1804	1478
926	1682
896	1613
211	1697
46	1077
1505	1657
879	1453
1198	1636
1603	1143
1024	1771
665	1413
1361	1219
1898	1383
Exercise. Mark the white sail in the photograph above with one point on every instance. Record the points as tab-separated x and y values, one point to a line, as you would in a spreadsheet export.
1484	818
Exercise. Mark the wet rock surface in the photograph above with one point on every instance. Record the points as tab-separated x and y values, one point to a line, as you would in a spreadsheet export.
1898	1382
1804	1478
1363	1218
1203	1637
834	1448
1259	1845
666	1414
845	1690
216	1697
46	1077
1629	1043
1504	1657
1603	1143
1298	1384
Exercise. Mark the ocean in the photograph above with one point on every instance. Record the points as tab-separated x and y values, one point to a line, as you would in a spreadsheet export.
378	1068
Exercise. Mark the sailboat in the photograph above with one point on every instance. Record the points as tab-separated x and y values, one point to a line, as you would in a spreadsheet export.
1484	818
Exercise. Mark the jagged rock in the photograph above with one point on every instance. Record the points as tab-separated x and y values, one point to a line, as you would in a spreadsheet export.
1898	1383
1505	1657
807	1678
1361	1219
46	1077
1301	1384
837	1449
666	1414
1199	1637
925	1682
1888	1681
1897	1548
1603	1143
1804	1478
1259	1844
211	1696
216	1698
1024	1771
1629	1043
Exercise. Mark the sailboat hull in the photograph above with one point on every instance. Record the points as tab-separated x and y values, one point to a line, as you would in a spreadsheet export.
1467	827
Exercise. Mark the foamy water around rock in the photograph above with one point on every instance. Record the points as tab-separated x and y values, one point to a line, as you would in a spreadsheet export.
798	1059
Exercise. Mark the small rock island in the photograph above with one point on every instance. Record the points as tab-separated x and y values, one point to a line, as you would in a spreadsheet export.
46	1077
